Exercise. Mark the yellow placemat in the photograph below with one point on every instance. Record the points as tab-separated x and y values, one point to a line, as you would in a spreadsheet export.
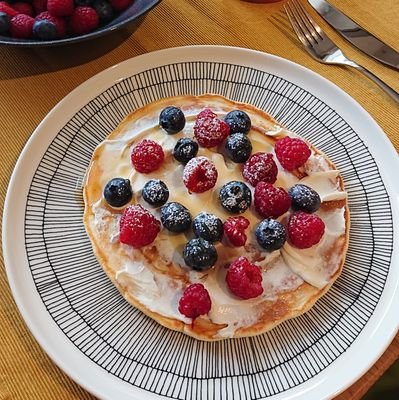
33	81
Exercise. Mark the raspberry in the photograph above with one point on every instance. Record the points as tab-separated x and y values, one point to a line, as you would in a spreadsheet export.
39	6
234	229
209	130
138	227
260	167
147	156
199	175
84	20
60	8
6	8
244	279
57	21
23	8
120	5
291	152
270	201
21	26
305	230
195	301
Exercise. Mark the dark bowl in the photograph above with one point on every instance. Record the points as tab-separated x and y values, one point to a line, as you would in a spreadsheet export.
129	16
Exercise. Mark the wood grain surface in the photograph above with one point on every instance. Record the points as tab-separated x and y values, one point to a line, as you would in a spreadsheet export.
32	81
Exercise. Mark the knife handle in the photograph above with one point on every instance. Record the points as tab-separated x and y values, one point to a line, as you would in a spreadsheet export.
391	92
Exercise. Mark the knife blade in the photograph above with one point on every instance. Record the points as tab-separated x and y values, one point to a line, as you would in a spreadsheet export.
356	35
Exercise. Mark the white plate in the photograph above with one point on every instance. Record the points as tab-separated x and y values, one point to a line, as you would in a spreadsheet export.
116	352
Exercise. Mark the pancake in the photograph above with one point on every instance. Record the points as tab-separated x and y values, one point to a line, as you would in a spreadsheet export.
154	277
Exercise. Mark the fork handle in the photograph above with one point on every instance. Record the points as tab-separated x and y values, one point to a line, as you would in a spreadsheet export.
391	92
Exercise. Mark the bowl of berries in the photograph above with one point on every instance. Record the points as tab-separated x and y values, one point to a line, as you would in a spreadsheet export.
54	22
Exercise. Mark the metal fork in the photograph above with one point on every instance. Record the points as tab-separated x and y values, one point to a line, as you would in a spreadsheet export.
321	47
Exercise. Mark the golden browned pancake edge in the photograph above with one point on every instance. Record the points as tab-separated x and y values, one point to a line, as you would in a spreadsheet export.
287	306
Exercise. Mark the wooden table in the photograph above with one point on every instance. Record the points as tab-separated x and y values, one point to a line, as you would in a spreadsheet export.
32	81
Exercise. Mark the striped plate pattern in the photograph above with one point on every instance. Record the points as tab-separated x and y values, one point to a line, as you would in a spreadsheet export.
120	339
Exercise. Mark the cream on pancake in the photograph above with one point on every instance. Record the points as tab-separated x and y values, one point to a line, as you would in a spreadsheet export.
153	278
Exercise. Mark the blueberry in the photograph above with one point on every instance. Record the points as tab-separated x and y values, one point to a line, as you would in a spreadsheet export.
235	197
175	217
271	234
44	30
208	227
238	121
238	147
304	198
4	23
103	9
172	119
155	192
185	149
199	254
118	192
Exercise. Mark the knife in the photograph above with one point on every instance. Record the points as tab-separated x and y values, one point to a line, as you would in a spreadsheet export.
356	35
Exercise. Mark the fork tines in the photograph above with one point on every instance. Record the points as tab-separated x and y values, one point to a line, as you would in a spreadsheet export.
307	30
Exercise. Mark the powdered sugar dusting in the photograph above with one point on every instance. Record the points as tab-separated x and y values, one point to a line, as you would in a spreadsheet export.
260	167
209	130
200	174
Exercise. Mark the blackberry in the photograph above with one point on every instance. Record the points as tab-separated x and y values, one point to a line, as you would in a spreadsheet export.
185	149
271	234
103	9
118	192
44	30
175	217
238	121
235	197
199	254
172	120
304	198
238	147
155	192
4	23
208	227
